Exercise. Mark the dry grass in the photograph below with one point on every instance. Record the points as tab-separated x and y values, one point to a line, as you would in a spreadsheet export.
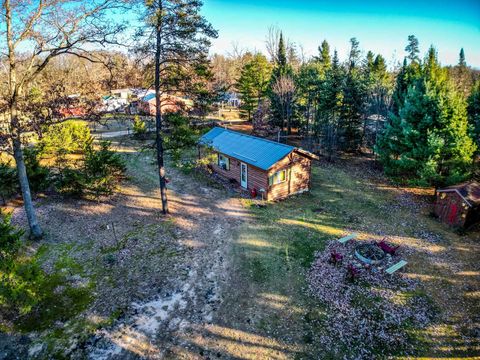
255	259
273	252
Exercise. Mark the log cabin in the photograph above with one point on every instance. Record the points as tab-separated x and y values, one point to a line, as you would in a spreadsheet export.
459	205
267	168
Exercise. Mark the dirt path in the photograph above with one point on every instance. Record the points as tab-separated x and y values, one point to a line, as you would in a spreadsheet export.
205	220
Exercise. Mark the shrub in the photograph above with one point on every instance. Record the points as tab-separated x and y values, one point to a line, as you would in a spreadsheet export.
139	127
31	299
99	174
69	137
9	238
103	169
38	175
181	135
8	181
71	182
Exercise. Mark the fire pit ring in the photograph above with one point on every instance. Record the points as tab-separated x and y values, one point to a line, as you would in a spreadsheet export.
369	254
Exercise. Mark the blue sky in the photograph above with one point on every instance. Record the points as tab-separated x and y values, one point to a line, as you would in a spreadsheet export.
380	26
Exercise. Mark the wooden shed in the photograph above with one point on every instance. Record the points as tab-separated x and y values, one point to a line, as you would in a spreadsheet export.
459	205
265	167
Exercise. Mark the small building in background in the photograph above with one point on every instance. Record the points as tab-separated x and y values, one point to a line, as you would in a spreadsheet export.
122	93
459	205
112	103
74	107
232	99
170	103
263	167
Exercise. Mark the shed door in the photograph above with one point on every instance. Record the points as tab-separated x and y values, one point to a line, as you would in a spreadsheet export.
243	175
452	217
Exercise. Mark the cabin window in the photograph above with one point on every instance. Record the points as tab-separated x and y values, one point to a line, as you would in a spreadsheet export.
223	162
278	178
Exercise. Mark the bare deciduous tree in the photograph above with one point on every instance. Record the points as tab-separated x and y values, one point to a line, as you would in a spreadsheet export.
284	89
32	33
271	42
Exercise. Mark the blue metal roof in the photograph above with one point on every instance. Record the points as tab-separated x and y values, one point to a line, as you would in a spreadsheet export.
252	150
148	97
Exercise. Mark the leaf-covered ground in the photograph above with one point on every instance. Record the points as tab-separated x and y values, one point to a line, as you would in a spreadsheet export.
223	278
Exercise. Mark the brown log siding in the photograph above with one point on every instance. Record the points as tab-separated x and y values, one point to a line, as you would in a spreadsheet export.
256	178
298	176
298	168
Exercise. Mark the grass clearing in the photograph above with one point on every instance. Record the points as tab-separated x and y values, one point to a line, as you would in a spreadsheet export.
273	252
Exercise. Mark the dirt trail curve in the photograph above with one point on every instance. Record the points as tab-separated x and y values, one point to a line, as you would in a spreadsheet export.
205	219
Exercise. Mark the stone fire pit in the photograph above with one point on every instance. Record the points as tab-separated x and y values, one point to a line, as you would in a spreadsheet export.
369	253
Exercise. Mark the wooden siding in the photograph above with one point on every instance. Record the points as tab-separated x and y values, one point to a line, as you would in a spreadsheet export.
298	176
256	178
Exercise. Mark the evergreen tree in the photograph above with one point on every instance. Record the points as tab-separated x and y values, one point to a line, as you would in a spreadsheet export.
281	54
407	75
461	59
176	39
401	87
369	62
324	54
309	79
378	87
428	140
474	111
354	54
329	99
412	49
253	83
352	110
462	75
292	57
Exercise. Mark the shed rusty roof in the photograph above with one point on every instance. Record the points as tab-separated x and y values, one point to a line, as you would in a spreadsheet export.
469	191
252	150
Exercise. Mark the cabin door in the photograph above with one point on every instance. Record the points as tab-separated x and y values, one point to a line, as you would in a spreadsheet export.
243	175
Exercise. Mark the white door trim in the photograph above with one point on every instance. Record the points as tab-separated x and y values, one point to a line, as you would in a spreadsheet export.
243	184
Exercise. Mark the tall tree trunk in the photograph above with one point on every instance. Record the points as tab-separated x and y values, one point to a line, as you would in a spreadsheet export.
307	130
14	92
158	120
35	229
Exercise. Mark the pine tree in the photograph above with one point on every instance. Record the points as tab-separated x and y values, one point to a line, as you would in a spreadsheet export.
353	102
428	140
309	80
329	99
474	111
354	54
407	75
253	83
412	49
281	54
461	59
324	54
378	87
462	76
176	39
401	87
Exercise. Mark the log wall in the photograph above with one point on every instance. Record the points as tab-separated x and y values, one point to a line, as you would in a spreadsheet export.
298	179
